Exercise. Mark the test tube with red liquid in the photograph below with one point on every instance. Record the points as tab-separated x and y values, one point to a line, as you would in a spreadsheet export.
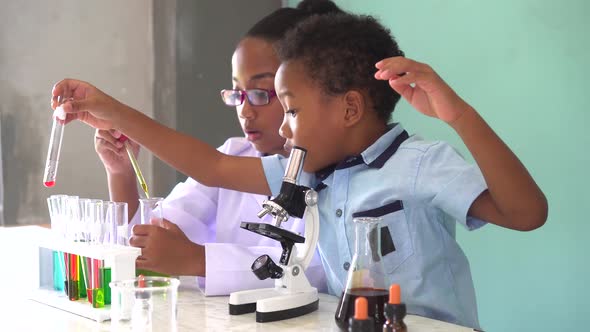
57	133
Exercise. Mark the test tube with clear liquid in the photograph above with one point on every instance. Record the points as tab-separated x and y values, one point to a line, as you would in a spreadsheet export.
57	133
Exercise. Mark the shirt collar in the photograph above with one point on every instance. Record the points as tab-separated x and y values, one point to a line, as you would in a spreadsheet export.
375	155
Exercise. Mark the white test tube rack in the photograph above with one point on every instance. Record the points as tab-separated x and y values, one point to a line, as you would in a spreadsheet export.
120	258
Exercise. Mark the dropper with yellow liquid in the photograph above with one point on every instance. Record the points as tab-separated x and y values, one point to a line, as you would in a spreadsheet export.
135	165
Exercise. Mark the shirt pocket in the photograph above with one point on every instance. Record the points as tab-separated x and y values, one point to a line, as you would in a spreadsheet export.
396	244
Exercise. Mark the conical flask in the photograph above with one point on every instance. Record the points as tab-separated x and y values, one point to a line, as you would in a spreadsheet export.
366	276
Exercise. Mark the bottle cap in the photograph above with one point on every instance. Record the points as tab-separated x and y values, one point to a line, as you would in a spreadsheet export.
141	281
361	309
144	295
394	294
361	320
394	307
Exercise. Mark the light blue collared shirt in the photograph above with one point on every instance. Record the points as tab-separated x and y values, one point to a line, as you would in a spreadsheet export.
420	189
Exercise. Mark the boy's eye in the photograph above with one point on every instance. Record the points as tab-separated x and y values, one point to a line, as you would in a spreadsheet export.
292	112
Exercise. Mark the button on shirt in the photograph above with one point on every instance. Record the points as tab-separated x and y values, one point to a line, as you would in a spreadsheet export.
420	189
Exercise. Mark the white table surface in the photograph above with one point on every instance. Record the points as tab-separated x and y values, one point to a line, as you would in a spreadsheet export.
195	311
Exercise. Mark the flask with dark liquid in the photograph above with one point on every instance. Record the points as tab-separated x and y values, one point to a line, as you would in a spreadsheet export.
366	277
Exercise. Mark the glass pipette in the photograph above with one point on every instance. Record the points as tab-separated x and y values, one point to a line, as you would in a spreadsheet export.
57	133
135	165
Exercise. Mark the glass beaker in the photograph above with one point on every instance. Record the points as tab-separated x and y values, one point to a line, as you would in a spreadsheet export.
151	210
144	304
366	276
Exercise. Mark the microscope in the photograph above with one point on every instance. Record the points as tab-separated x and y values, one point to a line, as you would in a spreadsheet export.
292	295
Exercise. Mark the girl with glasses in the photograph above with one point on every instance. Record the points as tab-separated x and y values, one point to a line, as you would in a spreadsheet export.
201	234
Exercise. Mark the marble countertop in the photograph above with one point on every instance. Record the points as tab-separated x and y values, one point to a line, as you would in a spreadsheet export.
195	311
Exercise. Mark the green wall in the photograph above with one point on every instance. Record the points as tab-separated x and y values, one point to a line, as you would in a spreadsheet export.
524	65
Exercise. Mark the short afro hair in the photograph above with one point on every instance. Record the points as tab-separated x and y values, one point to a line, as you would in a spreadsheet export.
274	26
339	52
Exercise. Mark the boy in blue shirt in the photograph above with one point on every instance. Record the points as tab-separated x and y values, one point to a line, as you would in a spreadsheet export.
337	106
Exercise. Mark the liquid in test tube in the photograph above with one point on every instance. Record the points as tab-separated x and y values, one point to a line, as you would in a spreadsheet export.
57	133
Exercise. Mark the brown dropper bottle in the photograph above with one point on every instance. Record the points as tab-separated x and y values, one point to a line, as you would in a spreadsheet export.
395	311
361	322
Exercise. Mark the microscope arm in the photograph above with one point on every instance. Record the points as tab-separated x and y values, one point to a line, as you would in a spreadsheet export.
306	250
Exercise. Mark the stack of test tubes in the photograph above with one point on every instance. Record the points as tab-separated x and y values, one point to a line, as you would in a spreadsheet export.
89	249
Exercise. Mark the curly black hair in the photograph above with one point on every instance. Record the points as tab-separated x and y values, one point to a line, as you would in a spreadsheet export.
274	26
339	52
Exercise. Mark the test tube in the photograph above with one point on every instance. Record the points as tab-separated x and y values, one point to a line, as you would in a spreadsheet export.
55	213
117	219
75	291
57	133
97	284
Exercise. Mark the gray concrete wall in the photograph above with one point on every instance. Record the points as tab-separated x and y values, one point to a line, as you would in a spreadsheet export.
193	44
164	85
168	59
108	43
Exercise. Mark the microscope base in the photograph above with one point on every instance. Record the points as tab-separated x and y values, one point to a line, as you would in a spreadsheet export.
263	317
271	304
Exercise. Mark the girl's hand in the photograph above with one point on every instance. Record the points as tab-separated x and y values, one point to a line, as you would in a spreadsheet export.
167	250
421	86
112	152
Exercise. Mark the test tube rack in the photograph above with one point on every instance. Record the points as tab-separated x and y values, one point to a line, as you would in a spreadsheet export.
120	258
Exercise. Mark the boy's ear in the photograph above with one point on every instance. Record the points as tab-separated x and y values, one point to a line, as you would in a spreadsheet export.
354	103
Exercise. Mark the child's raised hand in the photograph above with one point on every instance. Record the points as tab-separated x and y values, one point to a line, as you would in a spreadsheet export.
82	101
421	86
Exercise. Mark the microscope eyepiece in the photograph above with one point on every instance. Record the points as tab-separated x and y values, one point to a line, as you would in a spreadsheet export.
295	165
